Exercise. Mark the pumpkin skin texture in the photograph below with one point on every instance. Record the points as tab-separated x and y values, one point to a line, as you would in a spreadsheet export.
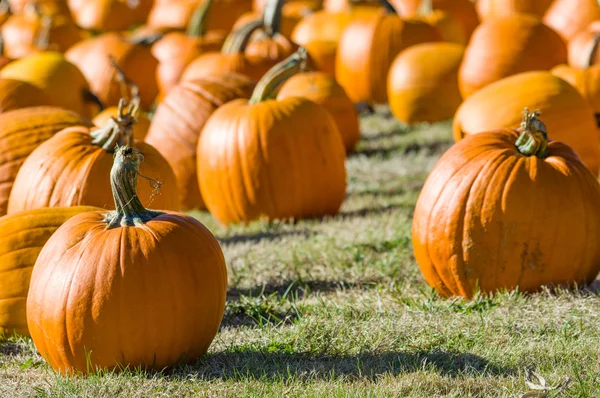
366	51
168	269
21	132
22	236
68	170
506	46
140	128
583	47
179	120
423	82
567	115
586	81
489	215
91	56
568	17
61	80
463	11
325	91
500	8
105	15
16	94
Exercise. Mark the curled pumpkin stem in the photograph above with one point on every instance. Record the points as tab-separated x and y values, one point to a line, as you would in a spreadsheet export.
534	136
117	131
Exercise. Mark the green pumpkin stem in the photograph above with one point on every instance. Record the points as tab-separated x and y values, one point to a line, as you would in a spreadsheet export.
199	21
533	140
278	74
237	41
117	131
388	6
272	16
129	210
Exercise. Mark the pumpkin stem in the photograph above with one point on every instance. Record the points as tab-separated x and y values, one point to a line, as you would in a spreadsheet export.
272	16
88	96
129	90
388	6
129	210
278	74
42	40
426	7
534	137
147	40
4	7
236	42
593	52
197	26
117	131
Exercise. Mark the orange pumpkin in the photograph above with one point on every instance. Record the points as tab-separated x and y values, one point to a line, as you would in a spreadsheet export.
282	159
505	46
493	211
166	266
568	17
583	47
347	5
463	11
72	168
290	14
57	77
501	8
179	120
93	57
22	237
15	94
586	81
140	128
22	131
423	82
568	117
108	15
48	7
325	91
367	48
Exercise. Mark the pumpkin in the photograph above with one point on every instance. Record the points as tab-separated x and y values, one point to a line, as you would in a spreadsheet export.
48	7
325	91
108	15
140	128
175	50
423	82
289	15
586	81
501	8
72	169
281	159
505	46
583	47
23	130
493	211
568	117
463	11
367	48
33	31
179	119
166	266
60	79
93	57
568	17
347	5
176	14
15	94
22	236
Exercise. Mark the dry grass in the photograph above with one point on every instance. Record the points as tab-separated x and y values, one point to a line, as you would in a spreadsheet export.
338	308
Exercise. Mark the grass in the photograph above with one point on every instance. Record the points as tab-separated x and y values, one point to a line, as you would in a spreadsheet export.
338	308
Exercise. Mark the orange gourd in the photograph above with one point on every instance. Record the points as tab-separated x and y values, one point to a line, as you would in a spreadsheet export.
583	47
160	269
423	82
51	72
22	236
96	57
367	48
72	168
179	120
568	17
493	214
501	8
325	91
505	46
281	159
16	94
21	132
568	117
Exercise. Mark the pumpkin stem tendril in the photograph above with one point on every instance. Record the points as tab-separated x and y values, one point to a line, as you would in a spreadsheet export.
533	140
278	74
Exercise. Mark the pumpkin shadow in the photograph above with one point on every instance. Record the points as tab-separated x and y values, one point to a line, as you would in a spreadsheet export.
400	149
370	211
282	366
260	236
10	349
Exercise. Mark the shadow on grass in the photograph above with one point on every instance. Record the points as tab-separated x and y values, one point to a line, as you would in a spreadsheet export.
259	236
10	349
370	211
258	365
401	148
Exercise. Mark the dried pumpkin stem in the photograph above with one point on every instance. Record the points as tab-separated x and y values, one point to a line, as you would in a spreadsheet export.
42	40
129	210
388	6
129	90
198	23
593	52
117	131
4	6
278	74
272	16
533	140
236	42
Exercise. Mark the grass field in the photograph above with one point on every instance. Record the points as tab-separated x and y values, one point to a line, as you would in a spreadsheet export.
338	307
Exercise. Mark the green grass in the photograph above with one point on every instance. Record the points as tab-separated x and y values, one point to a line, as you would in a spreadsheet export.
338	307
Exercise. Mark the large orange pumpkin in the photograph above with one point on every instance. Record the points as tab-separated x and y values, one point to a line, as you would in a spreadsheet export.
367	48
72	169
568	17
16	94
501	8
22	236
179	120
152	292
21	132
583	47
493	214
568	117
505	46
586	81
95	56
423	82
60	79
281	159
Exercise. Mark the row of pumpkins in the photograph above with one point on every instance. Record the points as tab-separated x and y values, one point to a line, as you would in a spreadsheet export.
254	117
